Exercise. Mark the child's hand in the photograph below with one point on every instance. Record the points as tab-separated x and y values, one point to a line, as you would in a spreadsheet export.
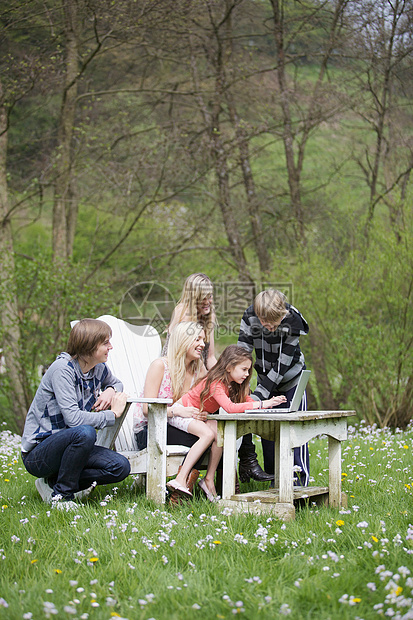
189	412
273	402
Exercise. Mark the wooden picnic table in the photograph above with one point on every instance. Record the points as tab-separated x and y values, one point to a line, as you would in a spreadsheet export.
288	431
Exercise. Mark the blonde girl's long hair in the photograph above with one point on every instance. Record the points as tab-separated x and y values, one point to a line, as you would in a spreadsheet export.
182	336
197	286
230	357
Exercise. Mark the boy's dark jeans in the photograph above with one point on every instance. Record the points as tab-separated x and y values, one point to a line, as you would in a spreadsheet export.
71	461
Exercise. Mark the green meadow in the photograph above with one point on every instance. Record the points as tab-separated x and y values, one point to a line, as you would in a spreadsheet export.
120	556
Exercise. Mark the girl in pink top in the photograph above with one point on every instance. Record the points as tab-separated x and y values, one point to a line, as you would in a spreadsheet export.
227	386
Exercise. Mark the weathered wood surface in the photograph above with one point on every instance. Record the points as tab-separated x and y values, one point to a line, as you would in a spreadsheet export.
254	503
272	496
286	512
288	431
272	415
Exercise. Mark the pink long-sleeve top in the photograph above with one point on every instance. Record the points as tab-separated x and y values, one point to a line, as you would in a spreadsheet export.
218	397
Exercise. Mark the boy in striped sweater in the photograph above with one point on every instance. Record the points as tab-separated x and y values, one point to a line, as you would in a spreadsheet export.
271	328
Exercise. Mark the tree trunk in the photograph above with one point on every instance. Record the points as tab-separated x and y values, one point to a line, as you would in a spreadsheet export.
230	222
65	206
252	200
295	148
401	417
9	306
212	122
288	135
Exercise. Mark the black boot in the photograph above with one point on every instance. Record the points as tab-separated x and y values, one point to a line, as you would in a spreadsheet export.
248	462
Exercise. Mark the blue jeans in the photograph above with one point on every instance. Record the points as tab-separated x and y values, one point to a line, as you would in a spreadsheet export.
70	461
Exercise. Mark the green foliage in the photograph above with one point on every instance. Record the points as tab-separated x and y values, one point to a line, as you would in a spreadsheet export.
144	176
50	295
363	307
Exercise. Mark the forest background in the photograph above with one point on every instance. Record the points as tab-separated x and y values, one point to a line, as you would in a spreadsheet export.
263	142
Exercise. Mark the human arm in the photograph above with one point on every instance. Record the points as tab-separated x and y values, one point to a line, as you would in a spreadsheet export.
63	386
179	410
178	315
110	385
211	359
118	403
153	381
219	395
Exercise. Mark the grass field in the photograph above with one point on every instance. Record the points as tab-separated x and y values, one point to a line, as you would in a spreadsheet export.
119	556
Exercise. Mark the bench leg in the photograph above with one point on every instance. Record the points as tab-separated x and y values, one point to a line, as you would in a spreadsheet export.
277	456
334	464
156	463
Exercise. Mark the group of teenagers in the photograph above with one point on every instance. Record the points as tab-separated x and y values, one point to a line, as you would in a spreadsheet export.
79	394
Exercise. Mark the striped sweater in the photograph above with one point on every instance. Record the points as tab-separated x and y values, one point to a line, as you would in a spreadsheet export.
278	357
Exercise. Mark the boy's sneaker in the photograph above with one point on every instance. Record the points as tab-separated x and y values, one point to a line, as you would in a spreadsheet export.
44	489
86	492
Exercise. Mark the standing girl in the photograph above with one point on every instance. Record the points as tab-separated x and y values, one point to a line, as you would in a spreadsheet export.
196	304
227	386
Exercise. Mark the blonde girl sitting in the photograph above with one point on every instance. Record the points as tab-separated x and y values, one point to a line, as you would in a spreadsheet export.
169	377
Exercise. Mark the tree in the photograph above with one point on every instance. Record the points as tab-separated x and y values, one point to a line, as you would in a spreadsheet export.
19	75
381	50
10	331
299	122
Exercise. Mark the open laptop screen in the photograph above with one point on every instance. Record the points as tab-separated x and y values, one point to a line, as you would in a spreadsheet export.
298	394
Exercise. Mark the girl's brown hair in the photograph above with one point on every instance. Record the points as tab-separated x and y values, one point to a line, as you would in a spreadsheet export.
230	357
86	336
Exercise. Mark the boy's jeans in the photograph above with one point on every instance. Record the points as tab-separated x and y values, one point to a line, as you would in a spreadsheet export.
70	461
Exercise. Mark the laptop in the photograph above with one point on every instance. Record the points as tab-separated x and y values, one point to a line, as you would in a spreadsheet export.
298	395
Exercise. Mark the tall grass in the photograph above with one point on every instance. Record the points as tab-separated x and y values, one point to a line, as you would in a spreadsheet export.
119	555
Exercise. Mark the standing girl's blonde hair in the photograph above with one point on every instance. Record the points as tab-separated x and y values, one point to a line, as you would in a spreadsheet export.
197	288
182	336
196	304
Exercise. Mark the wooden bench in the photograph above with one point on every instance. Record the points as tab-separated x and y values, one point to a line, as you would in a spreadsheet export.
288	431
134	348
